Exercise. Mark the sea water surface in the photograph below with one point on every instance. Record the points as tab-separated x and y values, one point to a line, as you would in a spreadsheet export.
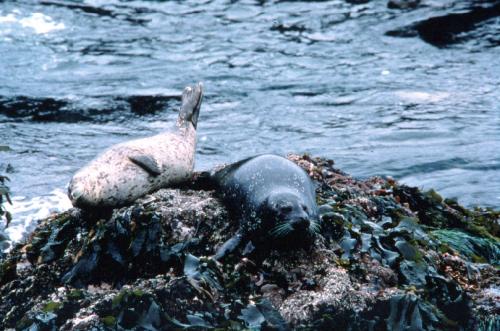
410	93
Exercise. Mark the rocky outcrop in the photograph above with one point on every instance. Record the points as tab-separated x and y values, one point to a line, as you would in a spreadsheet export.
388	257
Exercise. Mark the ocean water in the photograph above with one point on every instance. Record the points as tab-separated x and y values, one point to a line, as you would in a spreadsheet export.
413	93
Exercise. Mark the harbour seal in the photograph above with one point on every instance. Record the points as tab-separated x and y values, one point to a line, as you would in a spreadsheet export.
273	199
129	170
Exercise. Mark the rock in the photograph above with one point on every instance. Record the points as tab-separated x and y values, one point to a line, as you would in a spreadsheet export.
458	22
389	257
336	292
403	4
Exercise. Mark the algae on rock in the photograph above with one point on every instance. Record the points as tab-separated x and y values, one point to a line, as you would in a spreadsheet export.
388	257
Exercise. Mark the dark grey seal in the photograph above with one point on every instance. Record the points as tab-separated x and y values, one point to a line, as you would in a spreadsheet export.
273	199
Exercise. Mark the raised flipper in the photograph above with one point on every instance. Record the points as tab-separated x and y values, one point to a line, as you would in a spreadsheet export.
191	103
229	246
146	162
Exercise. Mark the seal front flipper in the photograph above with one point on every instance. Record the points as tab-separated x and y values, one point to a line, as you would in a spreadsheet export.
229	246
146	162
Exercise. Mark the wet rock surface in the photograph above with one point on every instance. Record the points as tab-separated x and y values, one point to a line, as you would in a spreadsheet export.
388	257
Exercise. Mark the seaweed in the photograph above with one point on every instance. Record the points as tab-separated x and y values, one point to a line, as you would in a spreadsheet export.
388	256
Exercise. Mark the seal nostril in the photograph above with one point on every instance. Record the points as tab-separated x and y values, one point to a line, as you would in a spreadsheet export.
301	224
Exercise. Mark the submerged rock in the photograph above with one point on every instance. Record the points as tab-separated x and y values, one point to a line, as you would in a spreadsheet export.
463	21
388	257
403	4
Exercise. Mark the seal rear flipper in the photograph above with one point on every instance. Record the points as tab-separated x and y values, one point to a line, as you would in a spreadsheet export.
223	171
191	103
146	162
229	246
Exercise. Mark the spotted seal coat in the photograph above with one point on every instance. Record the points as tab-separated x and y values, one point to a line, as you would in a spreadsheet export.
272	198
128	170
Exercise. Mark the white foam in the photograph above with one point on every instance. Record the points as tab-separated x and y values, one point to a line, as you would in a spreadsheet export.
422	97
40	23
25	212
10	18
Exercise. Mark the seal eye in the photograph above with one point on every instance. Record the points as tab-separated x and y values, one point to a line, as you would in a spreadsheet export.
304	208
285	209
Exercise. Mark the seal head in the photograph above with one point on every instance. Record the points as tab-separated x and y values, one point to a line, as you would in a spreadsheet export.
287	212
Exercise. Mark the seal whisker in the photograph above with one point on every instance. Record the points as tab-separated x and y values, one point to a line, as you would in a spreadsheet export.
315	226
281	230
277	230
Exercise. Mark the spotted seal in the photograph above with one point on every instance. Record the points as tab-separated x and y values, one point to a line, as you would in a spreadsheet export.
273	199
128	170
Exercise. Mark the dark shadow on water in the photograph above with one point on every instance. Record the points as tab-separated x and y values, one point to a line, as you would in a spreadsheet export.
442	31
88	9
63	110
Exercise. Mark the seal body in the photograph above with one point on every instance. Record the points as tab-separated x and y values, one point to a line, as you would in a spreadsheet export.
273	199
128	170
